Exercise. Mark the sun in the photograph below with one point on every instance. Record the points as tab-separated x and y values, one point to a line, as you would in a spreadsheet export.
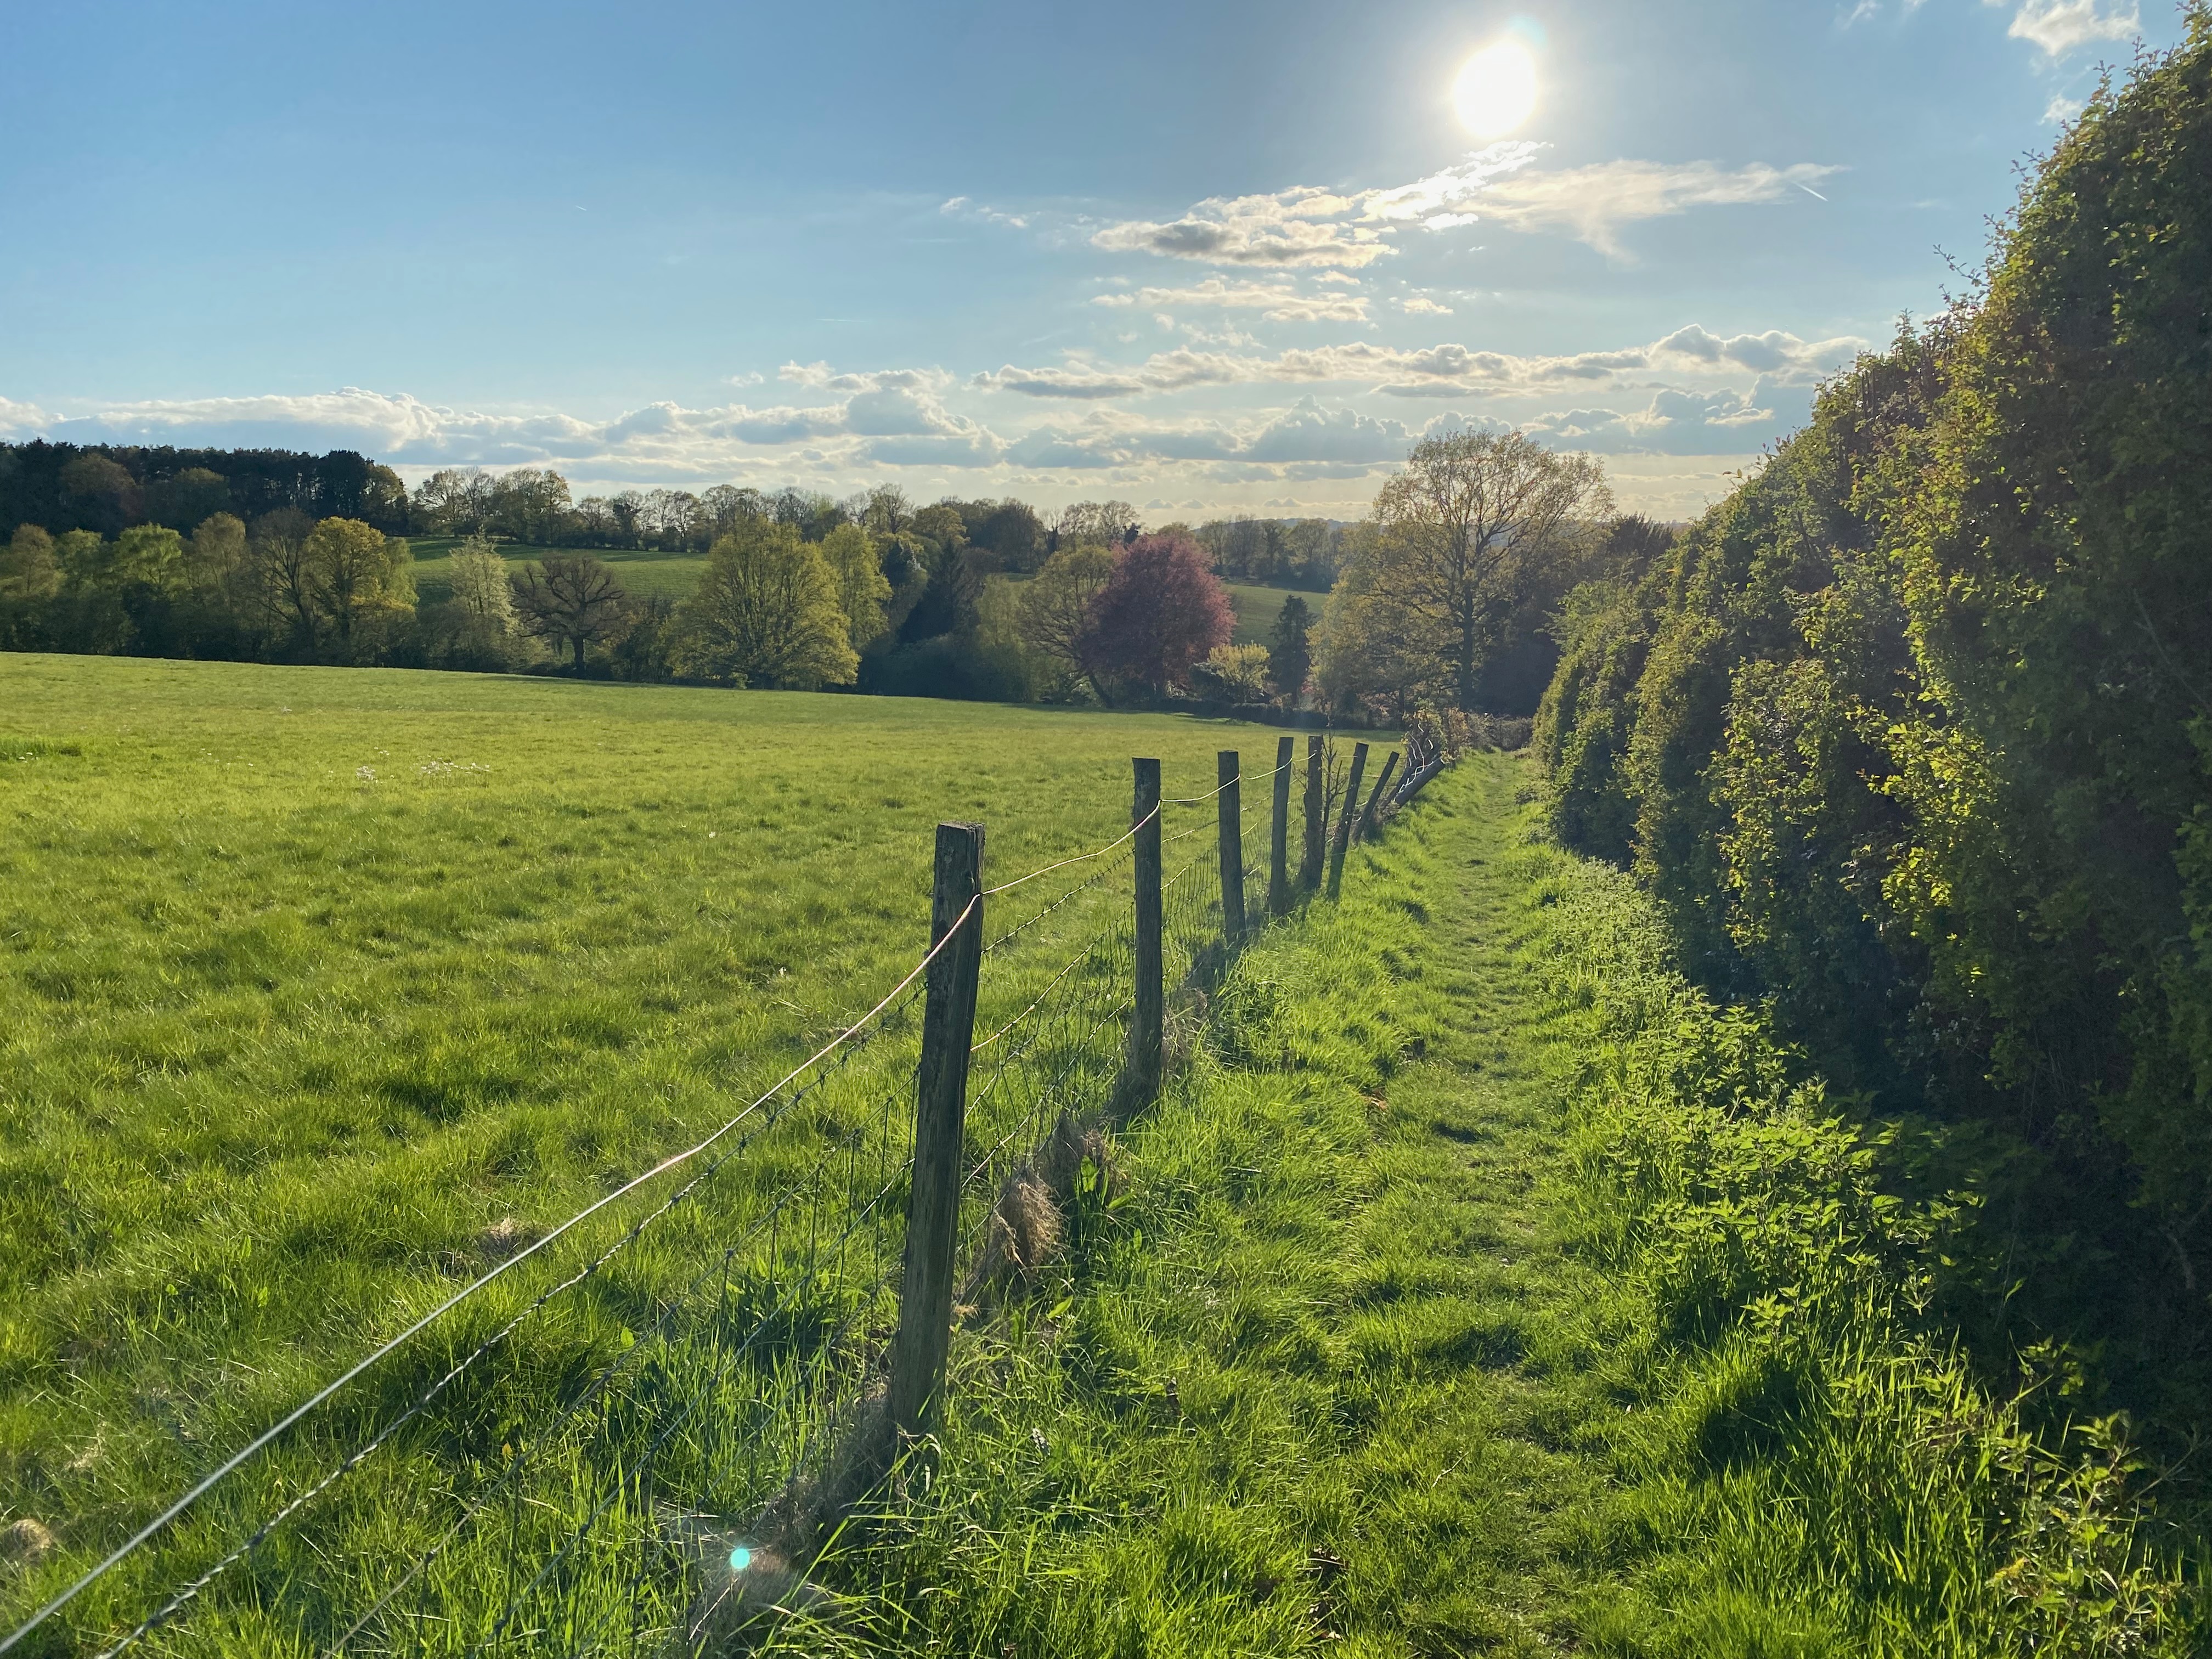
1495	91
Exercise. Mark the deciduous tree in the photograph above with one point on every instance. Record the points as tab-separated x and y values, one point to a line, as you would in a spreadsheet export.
571	603
862	589
1162	610
1473	513
765	613
354	571
29	570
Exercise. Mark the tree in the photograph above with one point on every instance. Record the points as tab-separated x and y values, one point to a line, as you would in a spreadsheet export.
1474	515
950	604
727	506
187	498
1377	646
1056	604
885	510
278	579
1100	524
862	589
1162	610
481	592
571	602
217	554
354	571
1290	650
765	613
1235	673
27	568
100	495
454	498
531	505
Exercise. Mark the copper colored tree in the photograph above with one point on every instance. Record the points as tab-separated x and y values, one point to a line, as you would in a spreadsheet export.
1161	610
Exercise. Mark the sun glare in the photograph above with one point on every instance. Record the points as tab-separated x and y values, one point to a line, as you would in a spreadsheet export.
1495	91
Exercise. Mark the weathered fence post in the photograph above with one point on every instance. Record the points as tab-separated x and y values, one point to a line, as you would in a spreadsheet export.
1229	807
940	1110
1344	817
1317	816
1374	800
1278	835
1147	1030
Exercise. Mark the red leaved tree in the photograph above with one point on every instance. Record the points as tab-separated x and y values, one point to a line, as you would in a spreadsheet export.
1162	610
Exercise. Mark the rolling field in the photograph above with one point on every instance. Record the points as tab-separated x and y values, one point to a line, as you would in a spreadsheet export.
1257	608
324	987
642	571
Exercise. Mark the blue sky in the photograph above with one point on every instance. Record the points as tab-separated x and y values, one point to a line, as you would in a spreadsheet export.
1196	256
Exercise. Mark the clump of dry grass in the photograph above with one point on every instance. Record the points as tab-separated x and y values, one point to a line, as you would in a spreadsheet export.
1028	1219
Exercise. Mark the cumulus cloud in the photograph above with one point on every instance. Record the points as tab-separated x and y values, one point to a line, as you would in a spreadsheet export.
1443	370
891	417
1419	305
1302	226
21	419
1306	436
1308	226
2059	26
1680	421
1279	303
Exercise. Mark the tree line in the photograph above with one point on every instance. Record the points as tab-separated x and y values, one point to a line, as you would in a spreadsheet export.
1912	737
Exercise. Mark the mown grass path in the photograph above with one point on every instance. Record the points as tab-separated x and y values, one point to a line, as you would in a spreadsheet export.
1335	1381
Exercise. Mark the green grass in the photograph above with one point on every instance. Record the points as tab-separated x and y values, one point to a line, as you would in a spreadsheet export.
641	571
1478	1287
1257	608
1483	1289
313	976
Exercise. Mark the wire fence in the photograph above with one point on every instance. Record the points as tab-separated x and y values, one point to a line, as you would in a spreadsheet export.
635	1432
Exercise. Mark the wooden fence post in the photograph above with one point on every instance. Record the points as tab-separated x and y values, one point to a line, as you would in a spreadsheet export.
1344	817
1278	835
1229	808
1317	816
1374	800
948	1027
1147	1030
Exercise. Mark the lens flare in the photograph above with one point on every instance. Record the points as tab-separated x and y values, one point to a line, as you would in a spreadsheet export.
1495	91
740	1558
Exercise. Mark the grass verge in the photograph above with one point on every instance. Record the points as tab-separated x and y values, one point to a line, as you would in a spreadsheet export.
1483	1289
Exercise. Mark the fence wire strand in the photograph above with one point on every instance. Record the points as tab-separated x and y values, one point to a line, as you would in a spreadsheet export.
731	1388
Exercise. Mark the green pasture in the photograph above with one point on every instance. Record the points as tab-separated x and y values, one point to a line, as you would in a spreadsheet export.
1258	607
641	571
323	985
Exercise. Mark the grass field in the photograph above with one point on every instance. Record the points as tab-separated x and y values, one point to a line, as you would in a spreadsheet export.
643	572
316	978
1258	607
1478	1287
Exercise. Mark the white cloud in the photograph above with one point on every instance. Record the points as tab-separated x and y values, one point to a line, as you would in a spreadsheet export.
1442	370
2061	110
1302	226
1419	305
961	207
1594	203
1305	438
22	418
1281	302
1308	226
2061	26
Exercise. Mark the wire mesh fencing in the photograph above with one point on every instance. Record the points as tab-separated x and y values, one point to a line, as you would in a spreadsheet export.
634	1434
